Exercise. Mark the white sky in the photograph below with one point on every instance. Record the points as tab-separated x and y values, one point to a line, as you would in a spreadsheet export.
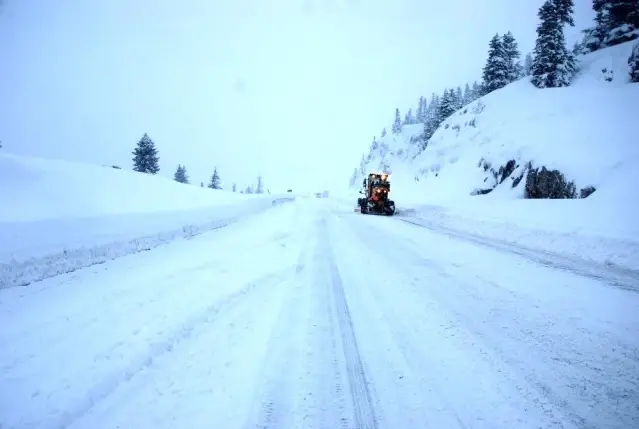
290	89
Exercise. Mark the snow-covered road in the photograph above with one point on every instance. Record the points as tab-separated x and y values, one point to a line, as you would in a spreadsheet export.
311	316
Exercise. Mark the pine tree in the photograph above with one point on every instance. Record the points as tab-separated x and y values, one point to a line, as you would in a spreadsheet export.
511	56
180	174
528	62
249	189
145	159
384	132
467	97
495	73
215	182
397	125
419	115
553	66
431	120
260	186
617	21
234	187
408	119
201	184
477	90
448	105
459	98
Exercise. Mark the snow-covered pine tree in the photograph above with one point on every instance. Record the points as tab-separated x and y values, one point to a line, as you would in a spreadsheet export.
553	66
633	62
616	21
459	98
384	132
234	187
431	120
180	174
448	105
476	91
511	55
419	115
145	156
397	124
495	72
249	189
215	182
201	184
467	97
528	62
408	118
259	189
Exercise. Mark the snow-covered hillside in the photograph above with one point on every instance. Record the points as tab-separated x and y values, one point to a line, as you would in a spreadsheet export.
57	216
586	131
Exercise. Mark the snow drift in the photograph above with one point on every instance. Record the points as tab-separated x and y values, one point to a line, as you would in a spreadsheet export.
58	216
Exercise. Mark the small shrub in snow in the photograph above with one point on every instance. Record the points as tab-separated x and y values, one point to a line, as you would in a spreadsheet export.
446	126
551	184
457	128
117	167
586	192
472	123
478	107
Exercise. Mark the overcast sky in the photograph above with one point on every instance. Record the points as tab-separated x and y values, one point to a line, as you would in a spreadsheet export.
293	90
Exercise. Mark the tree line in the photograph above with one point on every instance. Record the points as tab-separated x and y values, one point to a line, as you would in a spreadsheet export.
146	160
550	65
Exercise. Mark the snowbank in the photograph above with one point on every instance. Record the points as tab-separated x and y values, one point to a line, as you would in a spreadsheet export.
58	216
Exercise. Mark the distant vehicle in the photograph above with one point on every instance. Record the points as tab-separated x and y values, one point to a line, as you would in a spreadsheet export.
376	200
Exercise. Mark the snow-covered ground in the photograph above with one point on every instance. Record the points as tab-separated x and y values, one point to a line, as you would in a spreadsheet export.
57	216
309	315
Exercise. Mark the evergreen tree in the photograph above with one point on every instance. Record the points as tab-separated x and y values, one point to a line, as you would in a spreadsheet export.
467	98
431	120
384	132
528	62
495	73
448	105
553	66
397	125
145	159
617	21
408	119
234	187
180	174
249	189
477	90
201	184
419	115
459	98
215	182
511	56
260	186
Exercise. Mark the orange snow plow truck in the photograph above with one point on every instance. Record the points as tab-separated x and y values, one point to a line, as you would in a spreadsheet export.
376	200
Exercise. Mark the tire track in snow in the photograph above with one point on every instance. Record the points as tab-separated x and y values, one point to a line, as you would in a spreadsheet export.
183	333
363	407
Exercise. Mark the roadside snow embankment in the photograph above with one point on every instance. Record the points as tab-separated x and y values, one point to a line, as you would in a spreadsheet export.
58	216
581	230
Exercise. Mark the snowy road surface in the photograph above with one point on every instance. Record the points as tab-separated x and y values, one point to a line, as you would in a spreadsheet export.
308	316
